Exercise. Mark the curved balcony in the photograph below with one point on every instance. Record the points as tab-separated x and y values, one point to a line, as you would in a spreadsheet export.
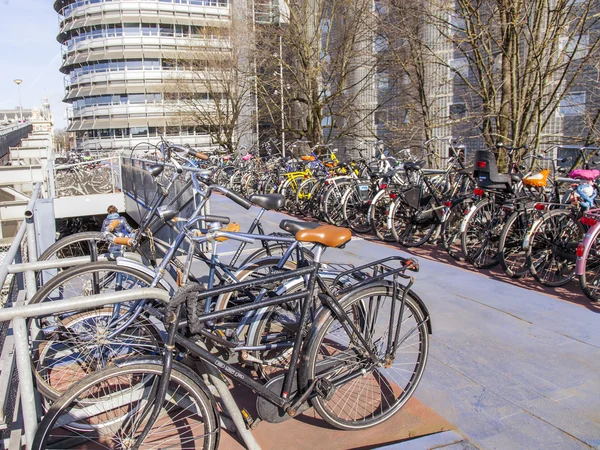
110	142
145	11
137	47
69	8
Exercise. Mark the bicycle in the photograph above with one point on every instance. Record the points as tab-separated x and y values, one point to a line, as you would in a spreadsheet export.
340	356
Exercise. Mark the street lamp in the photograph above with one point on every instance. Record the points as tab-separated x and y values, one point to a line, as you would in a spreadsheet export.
18	82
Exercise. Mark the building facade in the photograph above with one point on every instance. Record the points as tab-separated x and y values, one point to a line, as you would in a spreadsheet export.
119	60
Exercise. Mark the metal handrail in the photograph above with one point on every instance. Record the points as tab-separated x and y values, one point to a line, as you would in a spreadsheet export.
82	303
26	226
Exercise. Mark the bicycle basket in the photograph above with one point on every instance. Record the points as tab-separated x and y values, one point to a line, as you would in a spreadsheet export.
363	191
537	179
412	197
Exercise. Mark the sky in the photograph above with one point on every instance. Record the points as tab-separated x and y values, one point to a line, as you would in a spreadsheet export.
29	51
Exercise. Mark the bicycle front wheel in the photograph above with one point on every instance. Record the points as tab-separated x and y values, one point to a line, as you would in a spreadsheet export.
110	409
357	391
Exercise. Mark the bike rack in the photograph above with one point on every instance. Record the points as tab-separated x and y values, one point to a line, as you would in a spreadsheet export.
19	313
28	408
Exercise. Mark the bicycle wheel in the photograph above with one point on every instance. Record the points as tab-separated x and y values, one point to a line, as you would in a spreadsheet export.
276	327
78	244
450	237
590	278
481	234
332	202
355	207
110	409
357	392
379	216
551	252
303	197
409	226
67	346
513	257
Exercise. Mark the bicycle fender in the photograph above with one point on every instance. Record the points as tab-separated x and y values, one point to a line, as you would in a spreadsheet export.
530	232
589	238
463	224
124	262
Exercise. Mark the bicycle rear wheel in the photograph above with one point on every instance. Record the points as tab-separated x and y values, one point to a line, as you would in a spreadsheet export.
356	392
481	234
110	409
513	257
551	252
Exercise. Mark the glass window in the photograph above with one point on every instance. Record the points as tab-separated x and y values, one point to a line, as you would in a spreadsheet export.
166	30
572	104
139	132
458	68
457	111
131	29
135	64
135	99
181	30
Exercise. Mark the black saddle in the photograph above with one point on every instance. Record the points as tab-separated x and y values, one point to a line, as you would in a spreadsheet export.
412	166
293	226
268	201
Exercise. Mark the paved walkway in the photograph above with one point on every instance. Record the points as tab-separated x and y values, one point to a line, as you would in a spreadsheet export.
511	368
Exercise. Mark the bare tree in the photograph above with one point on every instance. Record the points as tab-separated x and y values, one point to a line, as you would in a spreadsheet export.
62	140
214	89
523	56
326	51
511	63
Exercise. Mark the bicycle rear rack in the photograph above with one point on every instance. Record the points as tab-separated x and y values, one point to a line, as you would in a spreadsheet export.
355	277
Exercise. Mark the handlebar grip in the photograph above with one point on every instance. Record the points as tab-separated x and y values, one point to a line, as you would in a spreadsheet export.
243	202
210	218
123	241
200	155
114	224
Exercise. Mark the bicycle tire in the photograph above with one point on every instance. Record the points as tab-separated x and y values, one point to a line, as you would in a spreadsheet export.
551	252
482	228
65	247
450	240
512	255
318	344
379	217
112	407
332	202
355	209
589	279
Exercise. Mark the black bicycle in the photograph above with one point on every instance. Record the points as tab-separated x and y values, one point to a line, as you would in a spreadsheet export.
357	361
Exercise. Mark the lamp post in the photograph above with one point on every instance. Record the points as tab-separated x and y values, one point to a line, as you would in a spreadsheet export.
281	89
18	82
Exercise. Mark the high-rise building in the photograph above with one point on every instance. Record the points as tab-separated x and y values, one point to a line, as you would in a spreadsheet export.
119	57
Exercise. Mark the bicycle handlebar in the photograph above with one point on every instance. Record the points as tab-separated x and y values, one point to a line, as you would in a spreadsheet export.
199	155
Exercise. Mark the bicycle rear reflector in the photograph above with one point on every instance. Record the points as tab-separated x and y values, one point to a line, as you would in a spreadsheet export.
478	192
588	221
579	251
